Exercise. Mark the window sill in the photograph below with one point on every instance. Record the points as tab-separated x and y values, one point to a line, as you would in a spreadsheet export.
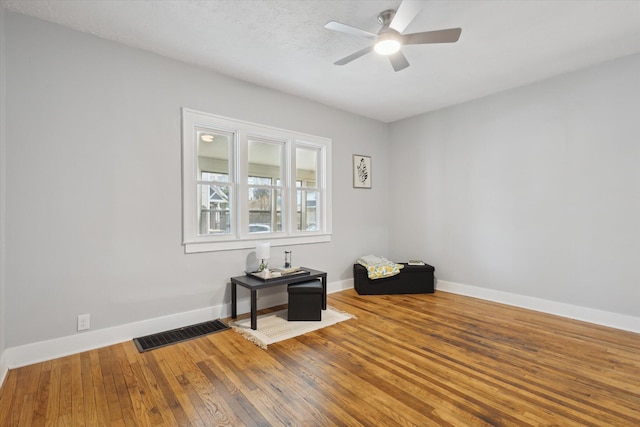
194	248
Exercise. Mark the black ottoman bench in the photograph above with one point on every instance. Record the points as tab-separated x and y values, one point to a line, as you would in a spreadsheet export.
413	279
305	301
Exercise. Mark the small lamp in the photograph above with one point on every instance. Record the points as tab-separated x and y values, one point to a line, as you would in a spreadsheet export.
262	253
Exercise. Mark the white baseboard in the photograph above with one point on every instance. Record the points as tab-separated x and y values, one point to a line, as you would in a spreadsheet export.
41	351
3	368
82	341
340	286
585	314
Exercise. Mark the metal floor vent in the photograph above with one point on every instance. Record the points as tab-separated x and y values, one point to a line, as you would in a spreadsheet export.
163	339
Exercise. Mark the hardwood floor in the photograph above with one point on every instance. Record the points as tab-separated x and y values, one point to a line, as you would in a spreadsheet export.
424	360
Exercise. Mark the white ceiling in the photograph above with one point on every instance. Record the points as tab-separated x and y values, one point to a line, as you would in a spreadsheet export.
283	44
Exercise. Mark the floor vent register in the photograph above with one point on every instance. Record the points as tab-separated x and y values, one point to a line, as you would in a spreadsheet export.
173	336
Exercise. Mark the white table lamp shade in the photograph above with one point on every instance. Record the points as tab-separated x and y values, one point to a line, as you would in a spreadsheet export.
262	250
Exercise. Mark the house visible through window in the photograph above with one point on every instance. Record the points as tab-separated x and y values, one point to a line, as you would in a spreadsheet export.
214	213
265	160
244	182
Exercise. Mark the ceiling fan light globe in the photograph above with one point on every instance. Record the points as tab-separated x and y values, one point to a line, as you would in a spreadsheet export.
387	47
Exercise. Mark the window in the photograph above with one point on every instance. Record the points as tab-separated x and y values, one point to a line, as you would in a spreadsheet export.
244	182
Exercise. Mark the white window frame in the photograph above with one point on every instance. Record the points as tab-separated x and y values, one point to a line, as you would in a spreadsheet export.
238	238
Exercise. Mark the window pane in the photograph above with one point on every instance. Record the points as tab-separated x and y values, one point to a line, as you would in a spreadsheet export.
259	180
214	212
308	216
213	153
265	160
307	166
265	210
212	176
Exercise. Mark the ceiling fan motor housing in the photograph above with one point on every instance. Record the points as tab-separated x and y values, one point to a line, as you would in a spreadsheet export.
385	17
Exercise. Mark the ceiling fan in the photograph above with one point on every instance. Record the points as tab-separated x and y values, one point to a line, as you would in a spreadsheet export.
390	38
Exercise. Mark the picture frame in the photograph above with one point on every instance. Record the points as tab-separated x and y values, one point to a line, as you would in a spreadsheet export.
361	171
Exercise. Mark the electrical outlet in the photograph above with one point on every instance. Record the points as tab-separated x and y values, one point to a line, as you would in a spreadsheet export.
84	322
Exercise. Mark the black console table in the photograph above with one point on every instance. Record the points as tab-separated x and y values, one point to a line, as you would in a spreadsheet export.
254	283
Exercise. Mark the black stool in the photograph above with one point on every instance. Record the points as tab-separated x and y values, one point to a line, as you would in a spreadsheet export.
305	301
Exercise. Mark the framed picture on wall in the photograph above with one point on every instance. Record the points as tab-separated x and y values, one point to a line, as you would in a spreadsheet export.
361	171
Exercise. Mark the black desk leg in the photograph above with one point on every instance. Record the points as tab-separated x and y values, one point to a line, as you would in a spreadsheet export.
254	309
324	292
234	301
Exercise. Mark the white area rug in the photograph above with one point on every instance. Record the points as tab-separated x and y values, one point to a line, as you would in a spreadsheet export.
274	327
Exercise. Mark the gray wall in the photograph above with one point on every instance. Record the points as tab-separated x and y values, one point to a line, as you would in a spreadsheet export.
534	191
94	182
2	191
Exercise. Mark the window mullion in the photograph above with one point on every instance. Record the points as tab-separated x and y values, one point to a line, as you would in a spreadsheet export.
292	216
242	204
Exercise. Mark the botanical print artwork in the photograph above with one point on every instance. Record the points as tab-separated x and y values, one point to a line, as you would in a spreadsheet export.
363	175
361	171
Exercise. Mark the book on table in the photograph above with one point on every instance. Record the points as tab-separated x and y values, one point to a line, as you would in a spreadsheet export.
415	262
277	273
288	270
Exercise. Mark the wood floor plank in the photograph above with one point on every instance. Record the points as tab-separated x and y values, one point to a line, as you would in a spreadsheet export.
110	391
6	399
55	379
156	405
90	413
167	392
180	370
26	412
180	394
65	403
27	387
77	397
41	398
100	394
437	360
205	393
118	374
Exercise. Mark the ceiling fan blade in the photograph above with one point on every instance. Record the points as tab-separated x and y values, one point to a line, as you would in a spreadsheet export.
439	36
404	15
354	56
398	61
343	28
